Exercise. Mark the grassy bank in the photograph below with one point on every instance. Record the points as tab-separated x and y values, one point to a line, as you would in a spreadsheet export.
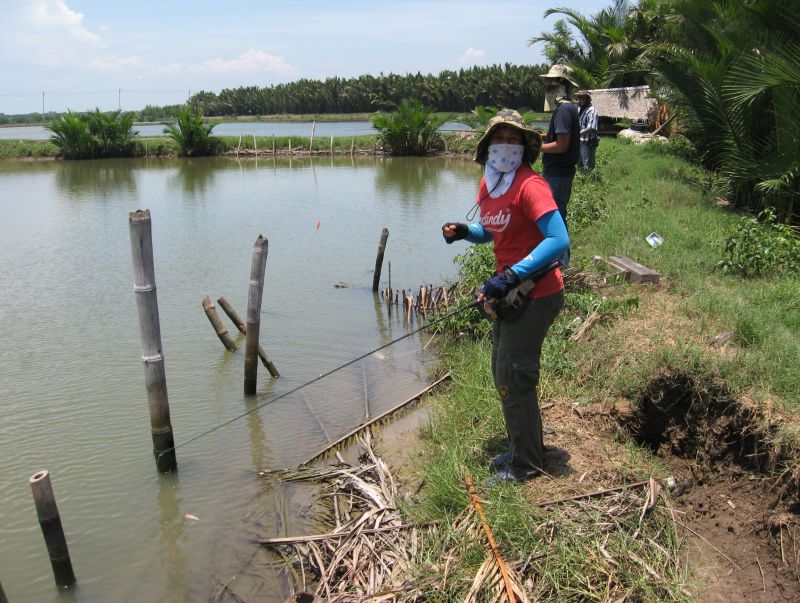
727	347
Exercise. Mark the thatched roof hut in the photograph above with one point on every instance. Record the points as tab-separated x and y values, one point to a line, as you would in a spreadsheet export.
634	103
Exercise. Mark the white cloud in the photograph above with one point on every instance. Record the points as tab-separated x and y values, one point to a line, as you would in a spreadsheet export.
252	61
472	56
56	15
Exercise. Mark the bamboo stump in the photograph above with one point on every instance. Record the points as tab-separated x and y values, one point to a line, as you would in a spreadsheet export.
219	328
50	522
3	598
234	316
144	286
253	325
379	259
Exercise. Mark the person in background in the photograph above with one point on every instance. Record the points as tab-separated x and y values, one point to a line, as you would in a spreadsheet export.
518	214
561	148
588	123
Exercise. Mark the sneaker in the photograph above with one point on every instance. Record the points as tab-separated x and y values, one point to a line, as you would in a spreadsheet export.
500	461
503	476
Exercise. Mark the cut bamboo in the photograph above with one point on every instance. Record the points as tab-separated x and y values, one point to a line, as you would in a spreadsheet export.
379	259
3	598
265	360
311	140
476	504
253	325
219	328
50	522
378	418
352	145
331	145
144	286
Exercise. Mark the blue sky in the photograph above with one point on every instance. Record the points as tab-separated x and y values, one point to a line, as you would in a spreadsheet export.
81	53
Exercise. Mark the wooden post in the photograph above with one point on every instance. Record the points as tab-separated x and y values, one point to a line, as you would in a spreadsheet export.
255	144
226	306
144	286
290	145
379	259
311	140
50	522
219	328
352	145
331	145
253	325
273	145
3	598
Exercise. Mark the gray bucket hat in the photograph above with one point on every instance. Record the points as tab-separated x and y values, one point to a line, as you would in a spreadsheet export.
559	71
509	117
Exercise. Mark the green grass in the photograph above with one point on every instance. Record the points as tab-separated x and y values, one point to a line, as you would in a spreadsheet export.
646	332
27	149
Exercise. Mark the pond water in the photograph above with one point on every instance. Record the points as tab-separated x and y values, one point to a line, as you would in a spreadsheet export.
322	129
72	396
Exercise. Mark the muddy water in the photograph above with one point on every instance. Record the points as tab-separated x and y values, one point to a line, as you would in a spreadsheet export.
72	395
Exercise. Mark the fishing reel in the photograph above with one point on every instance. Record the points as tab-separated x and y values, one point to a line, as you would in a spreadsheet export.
511	306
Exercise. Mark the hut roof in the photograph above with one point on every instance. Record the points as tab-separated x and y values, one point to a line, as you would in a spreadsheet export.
634	102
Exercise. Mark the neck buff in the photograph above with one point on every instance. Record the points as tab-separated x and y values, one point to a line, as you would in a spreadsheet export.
501	167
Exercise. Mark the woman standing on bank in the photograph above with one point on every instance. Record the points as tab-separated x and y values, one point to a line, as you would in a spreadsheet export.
518	214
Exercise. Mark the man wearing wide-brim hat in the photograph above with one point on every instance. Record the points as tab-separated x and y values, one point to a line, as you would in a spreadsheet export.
561	147
518	214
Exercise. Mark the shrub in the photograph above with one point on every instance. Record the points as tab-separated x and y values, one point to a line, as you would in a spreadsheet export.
192	136
411	130
762	246
93	135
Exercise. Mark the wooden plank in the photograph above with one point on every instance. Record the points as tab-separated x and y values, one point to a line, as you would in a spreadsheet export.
633	271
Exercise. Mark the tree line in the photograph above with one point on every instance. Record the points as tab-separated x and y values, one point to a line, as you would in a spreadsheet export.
460	91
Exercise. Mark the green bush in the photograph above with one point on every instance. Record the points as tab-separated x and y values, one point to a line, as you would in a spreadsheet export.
192	136
93	135
761	246
411	130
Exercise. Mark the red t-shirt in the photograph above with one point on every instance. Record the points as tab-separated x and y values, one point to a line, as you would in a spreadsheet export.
511	219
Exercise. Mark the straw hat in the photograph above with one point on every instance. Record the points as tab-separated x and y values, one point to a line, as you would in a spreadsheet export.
584	94
509	117
559	71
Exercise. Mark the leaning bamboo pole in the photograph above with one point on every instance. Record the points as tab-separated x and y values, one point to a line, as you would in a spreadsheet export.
379	259
234	316
50	522
144	286
253	321
219	328
3	598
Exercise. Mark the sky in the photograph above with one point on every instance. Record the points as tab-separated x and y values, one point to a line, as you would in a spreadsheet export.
110	54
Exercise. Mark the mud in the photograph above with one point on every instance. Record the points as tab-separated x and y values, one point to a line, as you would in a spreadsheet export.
739	513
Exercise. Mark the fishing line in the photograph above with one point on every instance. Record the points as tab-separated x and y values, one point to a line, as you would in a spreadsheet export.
322	376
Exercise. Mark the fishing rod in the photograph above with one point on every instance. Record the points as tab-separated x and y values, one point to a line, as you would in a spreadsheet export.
486	307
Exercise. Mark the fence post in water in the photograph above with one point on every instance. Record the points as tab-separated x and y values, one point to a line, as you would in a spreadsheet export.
311	140
253	324
144	286
379	260
219	328
234	316
50	522
3	598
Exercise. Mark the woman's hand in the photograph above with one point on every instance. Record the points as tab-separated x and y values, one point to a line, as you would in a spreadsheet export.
454	231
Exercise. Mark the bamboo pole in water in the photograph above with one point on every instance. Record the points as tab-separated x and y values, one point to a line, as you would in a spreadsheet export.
379	259
50	522
253	325
331	145
311	140
144	286
3	598
265	360
255	144
352	145
219	328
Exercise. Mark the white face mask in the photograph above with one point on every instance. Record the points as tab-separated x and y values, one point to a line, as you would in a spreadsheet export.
505	157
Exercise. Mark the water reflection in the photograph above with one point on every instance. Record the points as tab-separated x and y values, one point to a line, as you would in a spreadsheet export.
411	178
194	175
172	524
104	178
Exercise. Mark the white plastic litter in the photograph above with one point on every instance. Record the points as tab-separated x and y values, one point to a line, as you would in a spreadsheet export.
654	239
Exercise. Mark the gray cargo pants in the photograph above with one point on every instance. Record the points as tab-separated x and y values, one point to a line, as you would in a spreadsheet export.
516	348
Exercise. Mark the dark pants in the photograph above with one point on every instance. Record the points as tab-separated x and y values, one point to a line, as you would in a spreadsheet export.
516	349
588	153
561	187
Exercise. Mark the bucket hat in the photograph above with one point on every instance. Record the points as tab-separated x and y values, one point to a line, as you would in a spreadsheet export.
559	71
509	117
583	94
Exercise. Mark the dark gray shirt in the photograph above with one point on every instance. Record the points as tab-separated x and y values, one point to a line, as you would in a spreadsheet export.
563	121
